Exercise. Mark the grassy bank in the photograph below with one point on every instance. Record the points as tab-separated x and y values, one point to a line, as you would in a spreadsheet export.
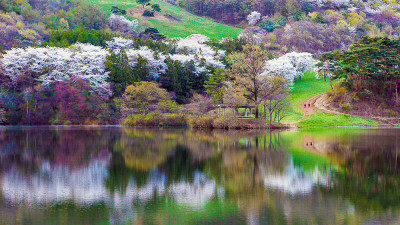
305	89
209	121
302	90
323	119
183	25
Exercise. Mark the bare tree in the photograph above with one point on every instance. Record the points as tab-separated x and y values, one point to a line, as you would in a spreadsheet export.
274	95
246	70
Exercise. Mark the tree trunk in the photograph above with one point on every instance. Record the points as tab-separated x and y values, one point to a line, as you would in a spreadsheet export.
397	95
257	112
265	111
270	118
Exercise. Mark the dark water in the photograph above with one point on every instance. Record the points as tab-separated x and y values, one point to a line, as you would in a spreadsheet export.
114	175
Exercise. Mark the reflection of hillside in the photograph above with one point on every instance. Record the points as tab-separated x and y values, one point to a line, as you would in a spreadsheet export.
370	164
181	176
28	148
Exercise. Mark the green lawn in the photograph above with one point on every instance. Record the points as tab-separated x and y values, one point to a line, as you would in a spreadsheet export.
304	89
189	24
308	87
323	119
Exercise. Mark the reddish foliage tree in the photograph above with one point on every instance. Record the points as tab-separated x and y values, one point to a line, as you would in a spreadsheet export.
75	101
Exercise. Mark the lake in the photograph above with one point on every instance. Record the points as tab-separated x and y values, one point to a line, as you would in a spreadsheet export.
117	175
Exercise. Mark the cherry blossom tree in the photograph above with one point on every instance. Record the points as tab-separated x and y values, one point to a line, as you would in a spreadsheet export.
290	65
253	18
59	64
119	22
53	64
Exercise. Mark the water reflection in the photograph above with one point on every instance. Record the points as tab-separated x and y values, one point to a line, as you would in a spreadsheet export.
120	175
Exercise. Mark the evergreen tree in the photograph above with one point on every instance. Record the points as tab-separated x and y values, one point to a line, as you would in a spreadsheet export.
213	86
143	2
121	74
142	70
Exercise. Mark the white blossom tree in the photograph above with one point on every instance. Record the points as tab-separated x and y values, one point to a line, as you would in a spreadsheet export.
290	65
58	64
119	42
119	22
253	18
88	61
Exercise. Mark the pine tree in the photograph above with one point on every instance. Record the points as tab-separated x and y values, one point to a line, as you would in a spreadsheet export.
121	74
142	70
213	86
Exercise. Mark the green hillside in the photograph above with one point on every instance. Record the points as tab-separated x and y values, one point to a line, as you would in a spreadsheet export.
186	25
308	87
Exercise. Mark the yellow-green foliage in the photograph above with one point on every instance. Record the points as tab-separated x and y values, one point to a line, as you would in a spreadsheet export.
156	120
145	96
354	19
203	121
226	122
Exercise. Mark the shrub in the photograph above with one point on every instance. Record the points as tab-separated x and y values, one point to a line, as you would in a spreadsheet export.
298	15
156	7
282	21
118	11
203	121
267	25
148	13
157	36
319	19
345	107
225	122
156	120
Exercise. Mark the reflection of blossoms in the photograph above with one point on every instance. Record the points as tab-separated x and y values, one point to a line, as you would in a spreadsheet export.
196	193
294	180
59	183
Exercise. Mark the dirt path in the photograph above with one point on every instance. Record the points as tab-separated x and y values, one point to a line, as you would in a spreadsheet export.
321	102
310	106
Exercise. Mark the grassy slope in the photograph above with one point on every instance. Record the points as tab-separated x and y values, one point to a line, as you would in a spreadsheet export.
308	87
189	24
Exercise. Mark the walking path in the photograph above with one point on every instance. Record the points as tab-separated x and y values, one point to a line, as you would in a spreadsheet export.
321	102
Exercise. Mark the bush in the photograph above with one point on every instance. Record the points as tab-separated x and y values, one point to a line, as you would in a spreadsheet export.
148	13
345	107
203	121
282	21
156	120
118	11
319	19
157	36
267	25
226	122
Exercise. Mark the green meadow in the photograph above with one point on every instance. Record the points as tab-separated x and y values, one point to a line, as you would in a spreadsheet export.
308	87
188	24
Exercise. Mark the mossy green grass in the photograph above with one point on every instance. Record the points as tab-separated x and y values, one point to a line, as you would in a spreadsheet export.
188	23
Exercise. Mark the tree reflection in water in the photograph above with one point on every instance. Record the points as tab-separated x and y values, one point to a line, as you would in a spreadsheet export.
119	175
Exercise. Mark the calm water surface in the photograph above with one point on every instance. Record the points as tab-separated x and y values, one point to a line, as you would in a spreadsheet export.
115	175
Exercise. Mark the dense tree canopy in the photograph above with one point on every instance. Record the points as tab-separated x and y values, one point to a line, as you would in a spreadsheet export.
372	64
